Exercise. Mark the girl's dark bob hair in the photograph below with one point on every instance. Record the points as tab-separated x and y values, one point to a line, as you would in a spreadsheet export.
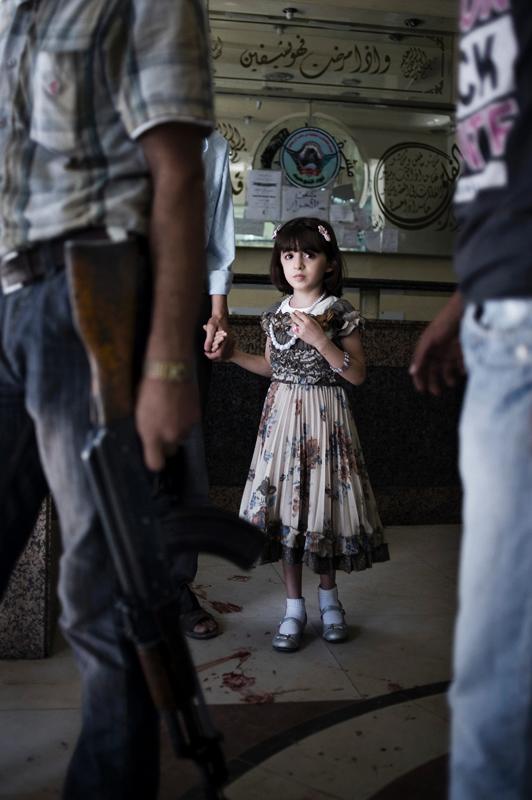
304	234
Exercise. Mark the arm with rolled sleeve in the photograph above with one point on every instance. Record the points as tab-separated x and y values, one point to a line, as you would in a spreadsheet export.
220	235
165	74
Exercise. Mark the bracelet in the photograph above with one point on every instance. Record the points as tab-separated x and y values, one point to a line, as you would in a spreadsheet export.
345	365
171	371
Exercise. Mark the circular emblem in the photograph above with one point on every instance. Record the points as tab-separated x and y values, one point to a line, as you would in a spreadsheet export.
414	183
310	158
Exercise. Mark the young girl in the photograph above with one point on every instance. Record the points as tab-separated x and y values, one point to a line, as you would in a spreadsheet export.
307	486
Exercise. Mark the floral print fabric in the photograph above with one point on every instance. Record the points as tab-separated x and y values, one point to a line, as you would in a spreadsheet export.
308	487
302	363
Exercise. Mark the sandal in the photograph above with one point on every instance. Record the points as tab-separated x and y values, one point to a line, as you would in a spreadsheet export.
197	616
336	631
289	642
193	614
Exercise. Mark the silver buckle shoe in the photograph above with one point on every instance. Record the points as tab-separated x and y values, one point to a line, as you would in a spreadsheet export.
337	631
289	642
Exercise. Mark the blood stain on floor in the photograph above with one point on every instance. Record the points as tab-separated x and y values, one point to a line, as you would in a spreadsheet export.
225	608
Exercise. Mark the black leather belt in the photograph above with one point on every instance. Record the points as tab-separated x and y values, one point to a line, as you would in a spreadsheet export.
22	267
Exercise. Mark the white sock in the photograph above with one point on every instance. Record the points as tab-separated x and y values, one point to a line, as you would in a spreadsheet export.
295	608
329	597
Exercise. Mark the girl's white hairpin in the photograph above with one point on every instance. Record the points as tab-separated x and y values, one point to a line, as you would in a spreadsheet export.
324	232
321	229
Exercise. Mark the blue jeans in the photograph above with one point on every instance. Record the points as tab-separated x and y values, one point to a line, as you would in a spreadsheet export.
44	418
491	697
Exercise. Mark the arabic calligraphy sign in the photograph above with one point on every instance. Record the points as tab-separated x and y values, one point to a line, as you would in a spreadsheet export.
356	62
414	184
310	157
311	64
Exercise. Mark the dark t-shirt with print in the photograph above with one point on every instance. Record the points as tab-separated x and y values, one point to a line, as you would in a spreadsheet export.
493	201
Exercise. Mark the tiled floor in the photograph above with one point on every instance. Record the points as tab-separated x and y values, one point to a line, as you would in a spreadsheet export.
351	722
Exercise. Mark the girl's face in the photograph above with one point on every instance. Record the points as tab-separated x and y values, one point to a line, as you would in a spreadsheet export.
304	269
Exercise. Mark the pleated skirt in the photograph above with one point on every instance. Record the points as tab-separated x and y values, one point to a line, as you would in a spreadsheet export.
308	487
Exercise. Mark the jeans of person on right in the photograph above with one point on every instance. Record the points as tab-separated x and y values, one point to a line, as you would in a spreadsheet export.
491	696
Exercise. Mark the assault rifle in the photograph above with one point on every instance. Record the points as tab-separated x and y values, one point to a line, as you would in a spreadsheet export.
109	293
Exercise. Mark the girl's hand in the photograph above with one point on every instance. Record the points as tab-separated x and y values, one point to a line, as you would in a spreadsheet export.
218	339
308	329
222	347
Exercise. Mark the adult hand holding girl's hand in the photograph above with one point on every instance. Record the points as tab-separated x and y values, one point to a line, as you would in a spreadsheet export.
223	345
308	329
212	328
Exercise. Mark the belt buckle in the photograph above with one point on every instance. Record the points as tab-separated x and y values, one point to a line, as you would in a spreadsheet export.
7	287
10	256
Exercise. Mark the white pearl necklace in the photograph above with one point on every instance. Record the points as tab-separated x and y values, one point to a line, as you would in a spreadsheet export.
292	340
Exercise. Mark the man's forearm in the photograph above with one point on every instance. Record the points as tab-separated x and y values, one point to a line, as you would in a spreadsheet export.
450	315
219	309
167	400
176	240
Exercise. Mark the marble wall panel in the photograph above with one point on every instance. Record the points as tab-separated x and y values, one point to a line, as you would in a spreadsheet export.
28	612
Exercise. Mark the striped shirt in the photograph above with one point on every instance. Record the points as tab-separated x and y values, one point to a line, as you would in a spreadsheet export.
80	81
219	217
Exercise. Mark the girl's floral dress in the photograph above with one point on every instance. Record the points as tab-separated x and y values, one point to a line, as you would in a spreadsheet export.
308	487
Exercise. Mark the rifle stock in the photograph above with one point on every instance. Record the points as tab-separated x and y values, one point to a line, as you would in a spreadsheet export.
106	285
105	280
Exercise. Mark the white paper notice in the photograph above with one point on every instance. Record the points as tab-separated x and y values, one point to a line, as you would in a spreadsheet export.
263	195
301	202
341	212
361	219
390	240
348	237
373	241
249	227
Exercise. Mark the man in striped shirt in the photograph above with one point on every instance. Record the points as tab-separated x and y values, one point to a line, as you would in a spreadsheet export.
104	105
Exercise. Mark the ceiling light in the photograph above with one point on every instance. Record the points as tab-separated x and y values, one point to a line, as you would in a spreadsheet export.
278	76
289	12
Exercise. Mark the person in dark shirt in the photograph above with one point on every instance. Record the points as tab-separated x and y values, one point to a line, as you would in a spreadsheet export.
491	695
